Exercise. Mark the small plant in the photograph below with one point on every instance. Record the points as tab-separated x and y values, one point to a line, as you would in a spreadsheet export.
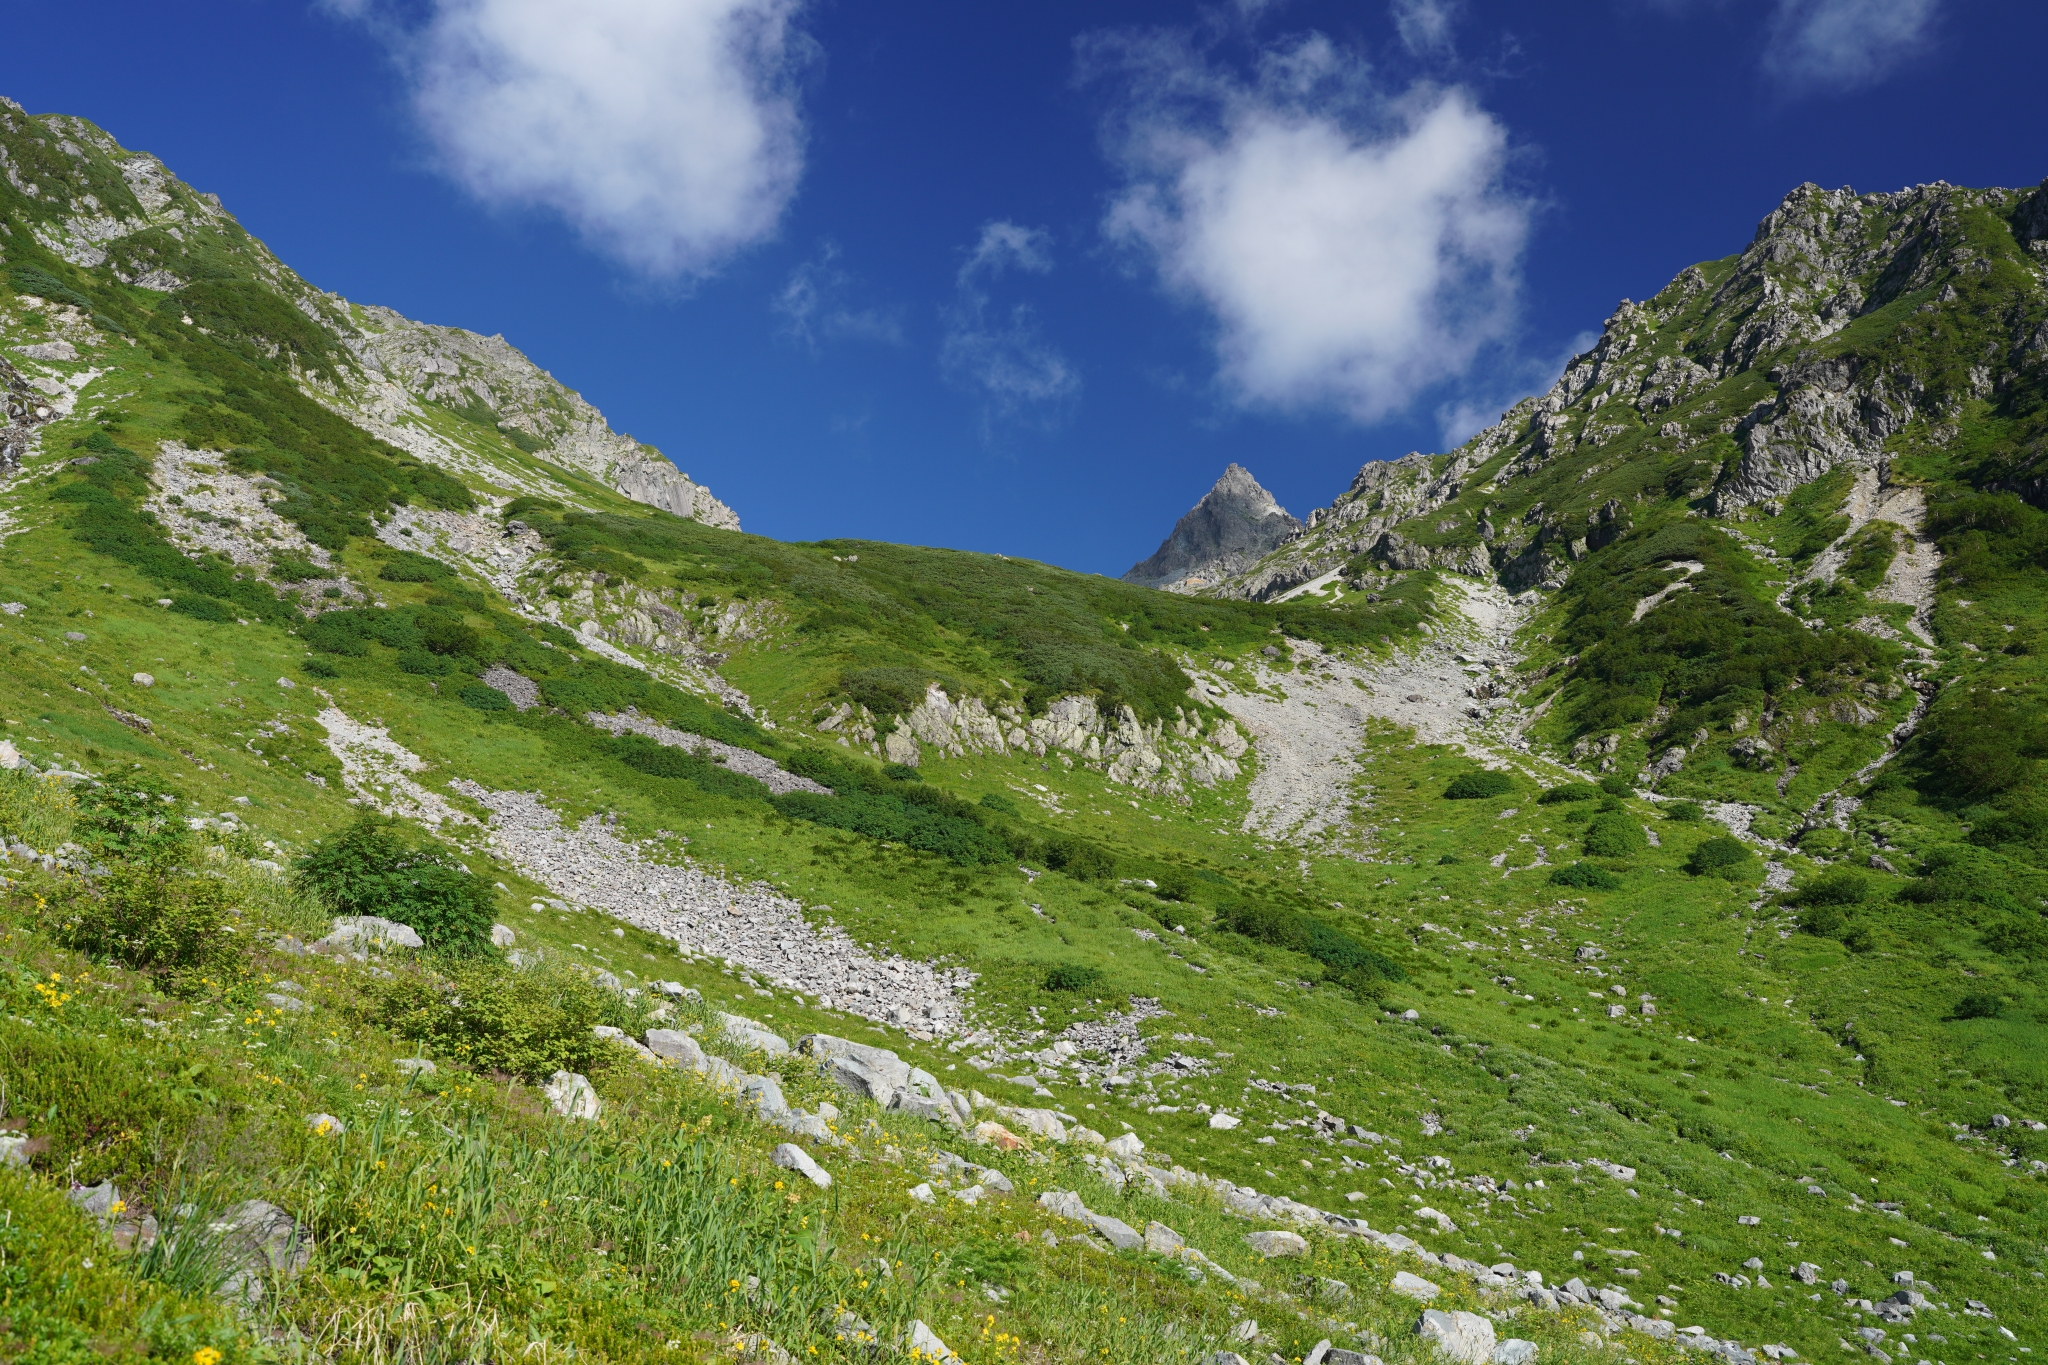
152	918
999	803
320	668
1072	976
1175	886
1586	877
1617	786
1685	812
483	697
1479	785
1836	886
409	566
368	869
1721	855
1569	791
526	1023
1978	1005
901	772
1614	834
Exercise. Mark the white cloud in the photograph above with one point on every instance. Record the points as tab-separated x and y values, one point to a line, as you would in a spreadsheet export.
814	308
1353	249
998	353
1425	25
1844	44
666	131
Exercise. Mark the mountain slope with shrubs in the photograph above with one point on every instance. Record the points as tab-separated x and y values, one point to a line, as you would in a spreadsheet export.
1373	884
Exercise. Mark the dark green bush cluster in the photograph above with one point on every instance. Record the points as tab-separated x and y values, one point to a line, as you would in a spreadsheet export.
1569	791
527	1023
1614	834
410	566
1349	961
371	869
1685	812
1721	855
155	919
1479	785
1585	876
1072	976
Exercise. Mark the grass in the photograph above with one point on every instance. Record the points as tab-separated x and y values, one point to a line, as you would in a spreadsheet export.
1777	1058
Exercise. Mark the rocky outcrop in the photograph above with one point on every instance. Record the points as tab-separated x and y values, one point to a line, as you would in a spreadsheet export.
1234	525
409	367
1160	758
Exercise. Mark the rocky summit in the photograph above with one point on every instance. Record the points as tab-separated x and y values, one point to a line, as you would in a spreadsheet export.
1577	897
1234	526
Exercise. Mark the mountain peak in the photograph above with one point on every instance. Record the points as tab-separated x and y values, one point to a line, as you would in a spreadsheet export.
1235	524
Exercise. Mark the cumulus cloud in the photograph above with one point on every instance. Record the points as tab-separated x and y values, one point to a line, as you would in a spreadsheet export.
814	305
1353	247
999	353
1844	44
1425	25
667	132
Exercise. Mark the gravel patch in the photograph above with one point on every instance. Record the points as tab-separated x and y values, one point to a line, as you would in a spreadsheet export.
754	925
763	770
375	768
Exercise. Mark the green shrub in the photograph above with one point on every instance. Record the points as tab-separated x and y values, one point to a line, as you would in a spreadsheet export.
36	810
1617	786
1263	922
1835	886
1479	785
422	662
320	668
151	918
201	608
1685	812
1721	855
1585	876
1614	834
287	568
529	1023
901	772
95	1102
1569	791
483	697
1071	976
1175	886
370	869
414	567
133	819
1978	1005
999	803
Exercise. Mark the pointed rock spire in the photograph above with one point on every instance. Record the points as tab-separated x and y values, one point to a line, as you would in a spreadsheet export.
1234	525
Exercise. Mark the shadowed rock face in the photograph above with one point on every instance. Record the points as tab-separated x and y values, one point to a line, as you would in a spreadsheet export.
1234	524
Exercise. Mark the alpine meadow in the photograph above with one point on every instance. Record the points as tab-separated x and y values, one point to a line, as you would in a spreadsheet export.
1578	897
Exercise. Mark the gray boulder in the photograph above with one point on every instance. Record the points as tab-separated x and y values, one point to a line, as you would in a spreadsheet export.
791	1157
675	1046
754	1037
569	1094
1463	1337
1514	1351
359	934
763	1094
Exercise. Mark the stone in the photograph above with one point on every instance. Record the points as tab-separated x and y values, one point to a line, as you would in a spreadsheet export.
1066	1204
414	1066
1162	1240
1806	1272
763	1094
1464	1337
278	1000
360	933
14	1149
1274	1243
997	1136
922	1193
1339	1356
1317	1352
1127	1146
143	680
1117	1233
993	1179
916	1105
263	1243
326	1125
1219	1119
673	1045
1038	1122
754	1037
791	1157
1514	1351
287	684
1224	1358
927	1343
569	1094
502	936
1414	1286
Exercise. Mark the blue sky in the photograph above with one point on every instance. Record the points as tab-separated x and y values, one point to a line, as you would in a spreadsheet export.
1026	277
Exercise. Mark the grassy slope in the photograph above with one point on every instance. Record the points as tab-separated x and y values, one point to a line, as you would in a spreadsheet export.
1718	1069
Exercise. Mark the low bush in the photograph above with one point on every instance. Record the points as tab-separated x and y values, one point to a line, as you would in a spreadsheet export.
1721	855
154	919
1071	976
1585	876
409	566
478	696
1685	812
1479	786
1282	927
1978	1005
370	869
1617	786
1615	834
1835	886
529	1023
1569	791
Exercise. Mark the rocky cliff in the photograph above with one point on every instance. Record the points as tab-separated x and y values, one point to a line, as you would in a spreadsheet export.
1234	525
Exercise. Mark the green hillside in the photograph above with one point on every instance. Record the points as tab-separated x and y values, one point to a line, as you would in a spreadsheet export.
1617	838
